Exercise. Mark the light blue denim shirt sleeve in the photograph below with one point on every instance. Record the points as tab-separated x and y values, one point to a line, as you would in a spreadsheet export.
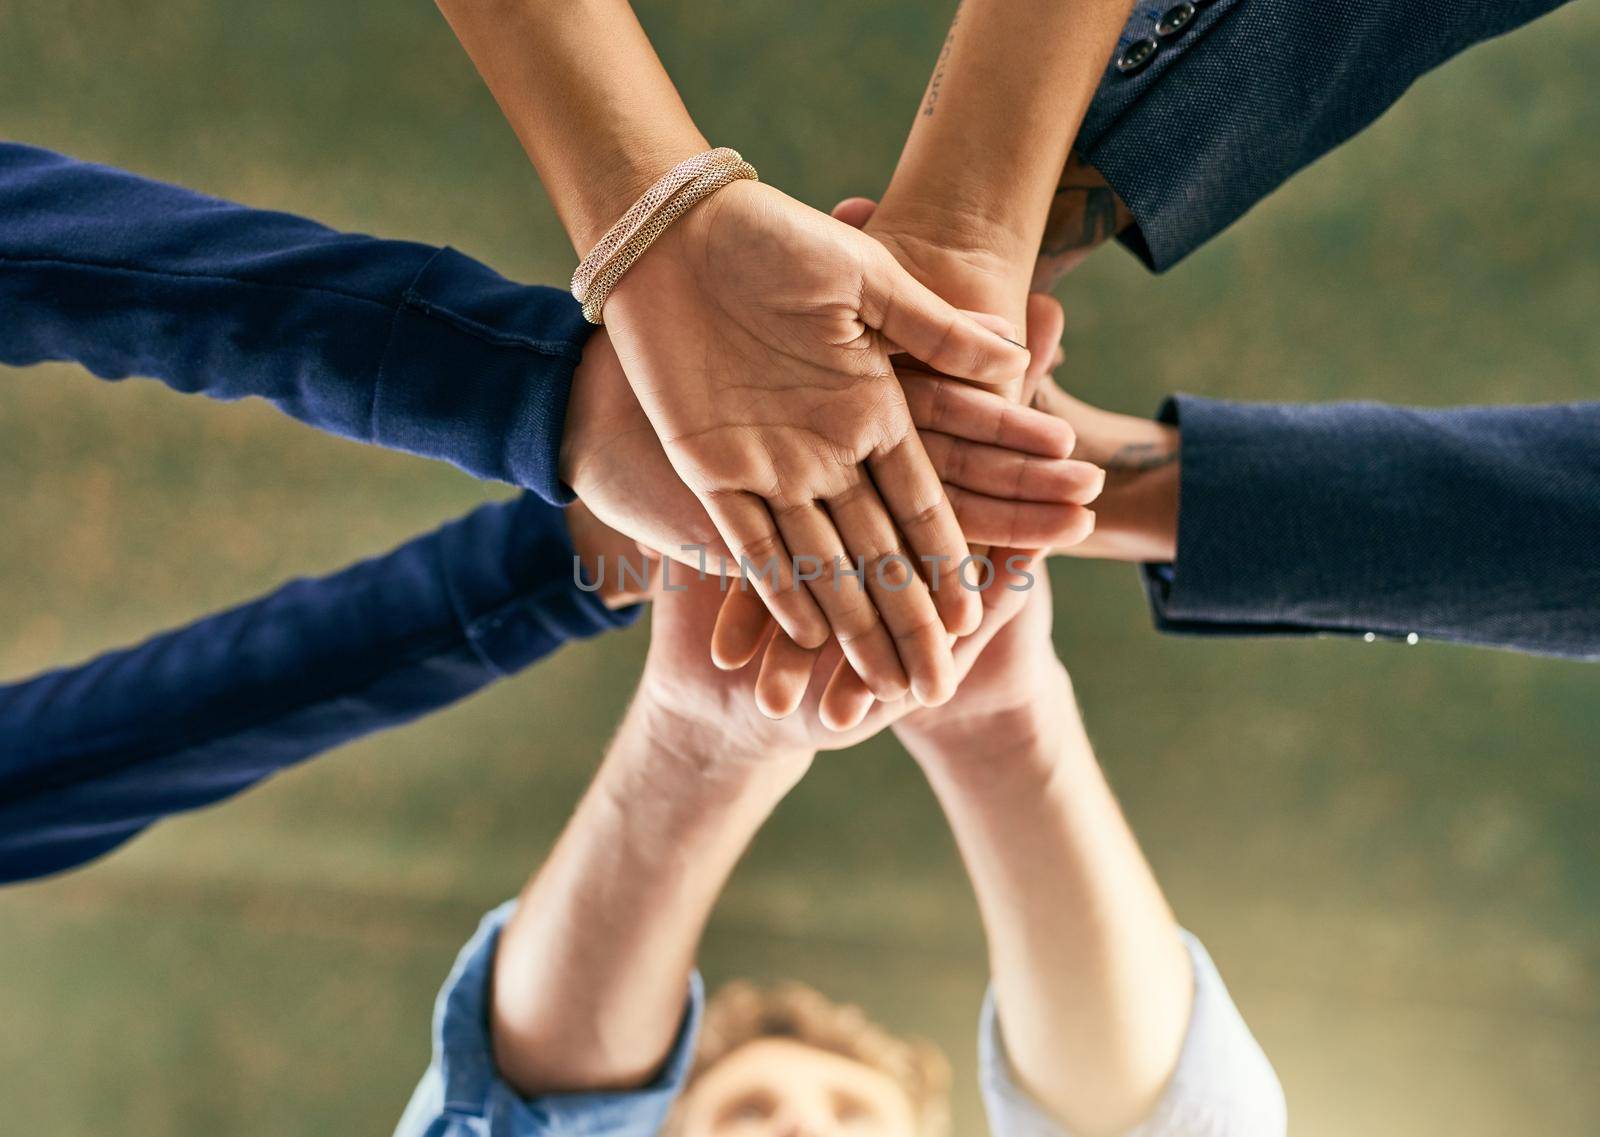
462	1095
1223	1085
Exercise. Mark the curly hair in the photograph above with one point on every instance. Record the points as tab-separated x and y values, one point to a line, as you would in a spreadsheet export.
741	1012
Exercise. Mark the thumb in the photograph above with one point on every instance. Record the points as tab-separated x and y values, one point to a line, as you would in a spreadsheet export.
1046	322
926	327
855	211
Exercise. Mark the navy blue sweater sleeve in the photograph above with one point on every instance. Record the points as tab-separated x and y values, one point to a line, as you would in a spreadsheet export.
404	345
91	755
1478	525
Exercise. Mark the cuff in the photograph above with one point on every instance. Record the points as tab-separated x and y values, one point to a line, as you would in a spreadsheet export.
1222	1083
472	1091
478	371
1176	198
1259	550
516	584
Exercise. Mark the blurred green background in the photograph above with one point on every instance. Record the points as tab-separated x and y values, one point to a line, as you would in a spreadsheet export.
1391	851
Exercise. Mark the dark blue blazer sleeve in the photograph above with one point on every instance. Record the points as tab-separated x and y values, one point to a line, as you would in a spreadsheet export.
1252	91
91	755
404	345
1478	525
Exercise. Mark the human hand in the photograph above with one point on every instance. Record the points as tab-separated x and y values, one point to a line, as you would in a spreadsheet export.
1005	468
1063	523
681	683
756	333
1012	692
1137	514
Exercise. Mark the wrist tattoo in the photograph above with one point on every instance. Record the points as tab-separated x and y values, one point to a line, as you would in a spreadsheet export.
936	84
1137	457
1080	218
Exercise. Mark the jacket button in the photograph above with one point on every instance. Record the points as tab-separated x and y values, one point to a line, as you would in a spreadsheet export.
1136	55
1174	20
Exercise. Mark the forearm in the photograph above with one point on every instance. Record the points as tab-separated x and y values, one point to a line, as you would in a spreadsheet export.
1090	975
990	140
91	755
587	96
391	342
592	970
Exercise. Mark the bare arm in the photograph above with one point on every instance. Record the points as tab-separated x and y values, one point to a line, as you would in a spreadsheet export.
591	973
1091	977
554	68
755	333
987	149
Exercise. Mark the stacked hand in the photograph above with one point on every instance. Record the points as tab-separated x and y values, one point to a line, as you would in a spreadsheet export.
1005	470
756	334
681	683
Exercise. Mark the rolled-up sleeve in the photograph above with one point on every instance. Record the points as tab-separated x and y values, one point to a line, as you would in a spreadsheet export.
463	1095
1223	1085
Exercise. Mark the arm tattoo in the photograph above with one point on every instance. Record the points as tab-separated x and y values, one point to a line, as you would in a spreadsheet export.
937	82
1095	208
1137	457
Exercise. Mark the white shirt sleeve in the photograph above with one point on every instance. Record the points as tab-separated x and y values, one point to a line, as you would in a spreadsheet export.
1223	1085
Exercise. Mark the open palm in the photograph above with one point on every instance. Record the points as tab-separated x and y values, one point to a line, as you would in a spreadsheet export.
757	334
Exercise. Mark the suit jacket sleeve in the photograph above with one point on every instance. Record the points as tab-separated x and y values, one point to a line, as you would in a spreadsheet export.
1478	525
391	342
1250	92
91	755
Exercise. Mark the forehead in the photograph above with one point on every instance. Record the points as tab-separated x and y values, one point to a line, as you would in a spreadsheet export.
784	1066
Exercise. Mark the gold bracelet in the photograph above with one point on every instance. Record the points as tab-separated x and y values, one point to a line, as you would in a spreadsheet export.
673	194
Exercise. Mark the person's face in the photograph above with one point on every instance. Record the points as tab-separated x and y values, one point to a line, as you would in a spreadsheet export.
774	1087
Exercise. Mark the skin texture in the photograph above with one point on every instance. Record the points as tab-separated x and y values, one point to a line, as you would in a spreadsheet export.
966	212
756	333
1005	469
592	969
774	1087
1092	981
1093	984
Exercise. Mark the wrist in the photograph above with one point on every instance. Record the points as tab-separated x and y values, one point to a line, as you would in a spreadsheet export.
1136	514
704	748
968	261
602	552
1029	731
616	180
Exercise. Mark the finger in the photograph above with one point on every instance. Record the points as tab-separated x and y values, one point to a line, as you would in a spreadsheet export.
1031	524
910	315
764	564
855	211
952	407
1046	323
846	700
898	591
1009	475
916	500
848	604
784	676
1016	572
742	621
999	325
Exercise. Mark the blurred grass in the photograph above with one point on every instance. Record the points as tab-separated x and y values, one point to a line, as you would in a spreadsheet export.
1391	851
